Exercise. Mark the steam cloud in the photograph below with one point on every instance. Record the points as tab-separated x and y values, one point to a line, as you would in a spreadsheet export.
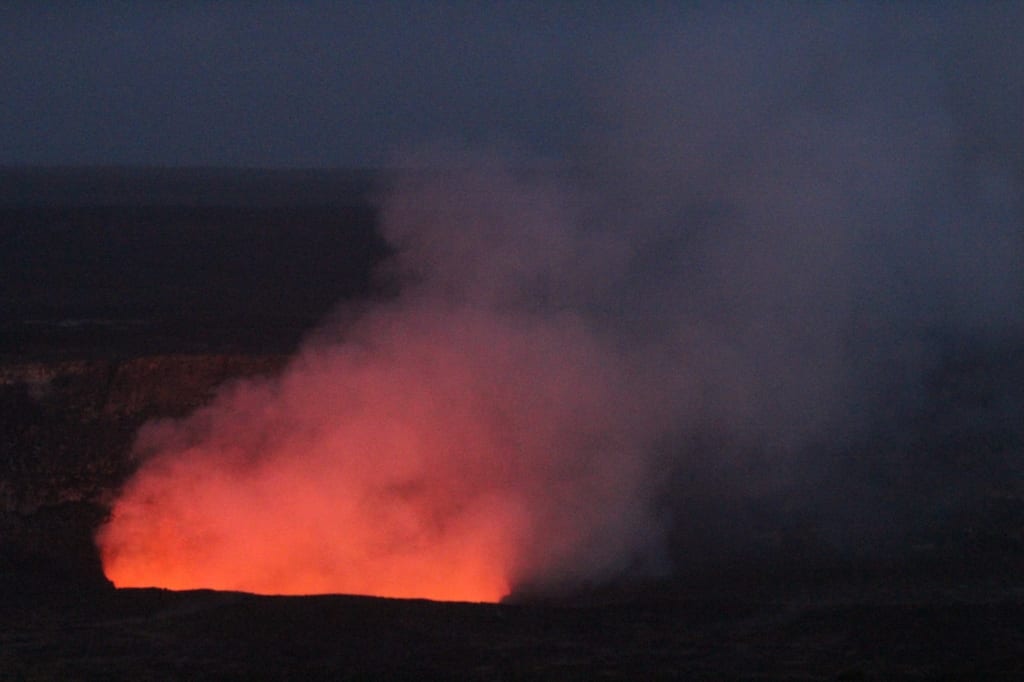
736	289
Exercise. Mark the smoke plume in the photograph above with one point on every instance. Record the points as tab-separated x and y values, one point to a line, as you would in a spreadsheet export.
776	220
456	441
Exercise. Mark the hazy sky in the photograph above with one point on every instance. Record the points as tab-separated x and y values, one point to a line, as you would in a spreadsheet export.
300	84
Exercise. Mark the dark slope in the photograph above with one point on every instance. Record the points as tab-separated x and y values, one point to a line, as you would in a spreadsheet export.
147	634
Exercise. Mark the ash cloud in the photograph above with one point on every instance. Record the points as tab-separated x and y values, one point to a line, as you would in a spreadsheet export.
784	223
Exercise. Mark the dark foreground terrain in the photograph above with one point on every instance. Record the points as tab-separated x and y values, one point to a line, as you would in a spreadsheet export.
129	296
155	635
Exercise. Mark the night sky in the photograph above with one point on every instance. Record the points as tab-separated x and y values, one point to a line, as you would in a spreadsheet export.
319	84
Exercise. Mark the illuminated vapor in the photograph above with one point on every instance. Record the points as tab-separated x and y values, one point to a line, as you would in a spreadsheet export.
452	446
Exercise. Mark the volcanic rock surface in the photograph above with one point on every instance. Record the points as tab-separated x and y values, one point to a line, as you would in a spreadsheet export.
66	429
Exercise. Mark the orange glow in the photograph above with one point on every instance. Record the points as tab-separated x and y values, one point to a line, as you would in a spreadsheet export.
311	521
470	436
448	459
247	545
187	523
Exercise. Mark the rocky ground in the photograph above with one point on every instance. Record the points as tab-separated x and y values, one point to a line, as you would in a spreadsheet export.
66	429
